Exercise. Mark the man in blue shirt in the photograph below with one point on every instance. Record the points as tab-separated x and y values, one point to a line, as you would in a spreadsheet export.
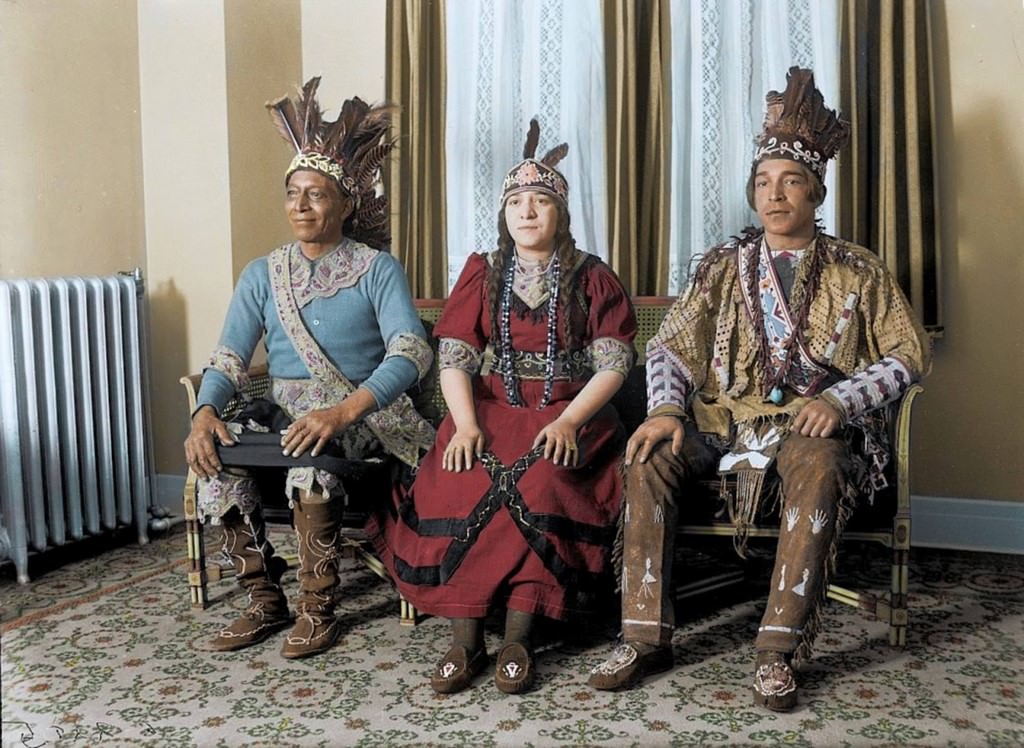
343	344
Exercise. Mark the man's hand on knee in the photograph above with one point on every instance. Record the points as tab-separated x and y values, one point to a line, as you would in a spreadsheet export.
200	451
817	418
650	434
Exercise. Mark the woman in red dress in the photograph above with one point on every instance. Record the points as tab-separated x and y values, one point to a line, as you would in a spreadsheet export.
516	504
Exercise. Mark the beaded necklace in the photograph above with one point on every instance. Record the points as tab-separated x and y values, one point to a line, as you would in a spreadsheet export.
774	379
508	366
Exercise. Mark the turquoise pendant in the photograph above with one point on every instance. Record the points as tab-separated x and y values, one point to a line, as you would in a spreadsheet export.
776	395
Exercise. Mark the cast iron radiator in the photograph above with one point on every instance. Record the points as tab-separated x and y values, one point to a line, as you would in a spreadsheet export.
75	447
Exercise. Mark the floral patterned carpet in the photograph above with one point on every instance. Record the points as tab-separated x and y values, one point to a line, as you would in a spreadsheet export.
106	651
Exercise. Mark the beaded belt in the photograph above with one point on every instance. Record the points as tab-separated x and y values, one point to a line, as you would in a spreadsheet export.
530	365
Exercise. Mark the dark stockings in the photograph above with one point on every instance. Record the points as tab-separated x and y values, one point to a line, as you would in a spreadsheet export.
518	627
468	633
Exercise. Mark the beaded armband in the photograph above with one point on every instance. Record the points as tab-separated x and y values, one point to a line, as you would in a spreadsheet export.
880	383
668	381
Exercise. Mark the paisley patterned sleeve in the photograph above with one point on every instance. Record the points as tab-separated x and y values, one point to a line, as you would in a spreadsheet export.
453	353
413	347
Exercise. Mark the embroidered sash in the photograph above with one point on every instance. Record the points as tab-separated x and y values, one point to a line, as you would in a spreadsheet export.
398	426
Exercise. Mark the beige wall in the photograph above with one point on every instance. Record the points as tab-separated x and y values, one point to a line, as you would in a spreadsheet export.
188	202
345	44
213	171
969	428
70	155
165	99
263	39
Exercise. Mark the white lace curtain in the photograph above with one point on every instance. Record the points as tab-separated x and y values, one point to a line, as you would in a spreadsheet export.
726	54
510	60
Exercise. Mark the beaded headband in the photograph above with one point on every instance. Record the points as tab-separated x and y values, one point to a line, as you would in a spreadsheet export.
349	150
798	126
534	174
323	164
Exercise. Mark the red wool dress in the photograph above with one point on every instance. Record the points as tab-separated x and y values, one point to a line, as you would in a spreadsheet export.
529	534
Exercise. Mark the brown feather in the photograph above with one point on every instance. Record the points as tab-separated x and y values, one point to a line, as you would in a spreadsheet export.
369	132
773	111
532	137
556	154
372	161
309	111
282	113
352	111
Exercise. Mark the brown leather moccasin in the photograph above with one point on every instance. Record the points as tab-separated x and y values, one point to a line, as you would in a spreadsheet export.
514	670
629	664
774	682
456	670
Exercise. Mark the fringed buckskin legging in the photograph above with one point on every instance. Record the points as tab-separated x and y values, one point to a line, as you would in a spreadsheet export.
814	474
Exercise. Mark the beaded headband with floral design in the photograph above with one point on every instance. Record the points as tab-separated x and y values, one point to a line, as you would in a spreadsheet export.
350	150
798	126
537	174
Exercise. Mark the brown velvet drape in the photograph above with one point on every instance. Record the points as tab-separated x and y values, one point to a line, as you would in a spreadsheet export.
637	65
887	182
416	82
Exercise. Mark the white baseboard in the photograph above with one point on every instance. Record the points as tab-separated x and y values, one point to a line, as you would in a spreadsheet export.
967	524
936	522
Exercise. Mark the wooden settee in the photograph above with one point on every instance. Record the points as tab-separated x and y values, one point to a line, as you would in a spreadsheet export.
886	522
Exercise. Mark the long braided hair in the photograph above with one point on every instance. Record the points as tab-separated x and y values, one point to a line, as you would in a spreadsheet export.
565	251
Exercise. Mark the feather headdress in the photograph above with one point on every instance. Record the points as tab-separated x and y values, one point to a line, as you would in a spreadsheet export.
531	174
798	125
350	149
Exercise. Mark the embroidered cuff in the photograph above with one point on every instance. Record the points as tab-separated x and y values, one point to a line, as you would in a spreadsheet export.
668	410
413	347
880	383
668	381
231	365
453	353
609	354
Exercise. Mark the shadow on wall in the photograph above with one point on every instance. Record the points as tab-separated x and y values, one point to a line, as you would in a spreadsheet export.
946	194
978	362
168	355
988	272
